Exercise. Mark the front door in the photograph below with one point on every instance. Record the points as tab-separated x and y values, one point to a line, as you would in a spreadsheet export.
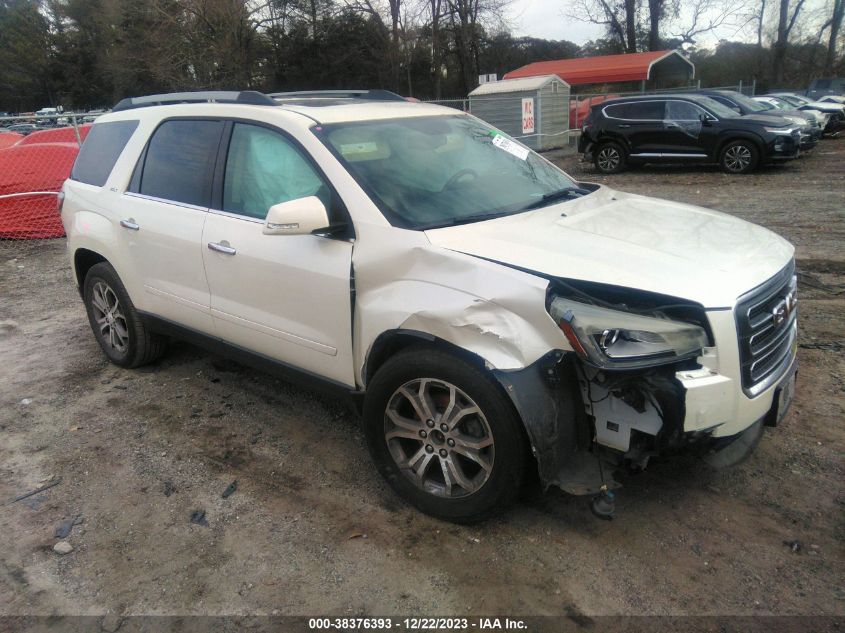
684	130
286	297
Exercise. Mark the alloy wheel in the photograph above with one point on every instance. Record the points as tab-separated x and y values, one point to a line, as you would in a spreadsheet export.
738	158
109	317
439	438
608	158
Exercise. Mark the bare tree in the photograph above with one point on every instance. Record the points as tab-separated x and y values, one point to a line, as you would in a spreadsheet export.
466	17
835	26
619	17
656	9
786	22
699	17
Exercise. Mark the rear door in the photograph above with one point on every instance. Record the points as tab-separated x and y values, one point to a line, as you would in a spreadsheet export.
162	218
641	122
287	297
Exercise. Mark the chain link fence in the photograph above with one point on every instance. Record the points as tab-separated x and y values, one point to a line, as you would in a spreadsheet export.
36	155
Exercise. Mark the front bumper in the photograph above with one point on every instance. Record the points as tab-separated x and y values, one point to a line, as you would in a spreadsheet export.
701	406
784	147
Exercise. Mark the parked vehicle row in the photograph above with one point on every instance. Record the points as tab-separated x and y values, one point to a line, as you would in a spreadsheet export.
44	119
725	127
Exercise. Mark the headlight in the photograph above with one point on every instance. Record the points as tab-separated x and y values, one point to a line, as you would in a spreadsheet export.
797	120
785	131
612	339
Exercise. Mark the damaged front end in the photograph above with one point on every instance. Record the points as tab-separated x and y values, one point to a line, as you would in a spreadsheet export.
616	399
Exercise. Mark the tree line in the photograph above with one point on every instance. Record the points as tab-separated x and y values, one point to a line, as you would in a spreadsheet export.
84	54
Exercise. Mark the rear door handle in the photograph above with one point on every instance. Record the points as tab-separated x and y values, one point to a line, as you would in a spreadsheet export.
222	247
130	224
624	125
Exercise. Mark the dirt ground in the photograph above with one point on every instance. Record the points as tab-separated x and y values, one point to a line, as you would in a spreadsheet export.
311	529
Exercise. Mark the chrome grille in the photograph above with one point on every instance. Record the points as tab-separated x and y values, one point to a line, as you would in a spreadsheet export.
766	327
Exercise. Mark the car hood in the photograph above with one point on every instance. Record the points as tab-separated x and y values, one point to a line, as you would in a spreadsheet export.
633	241
825	106
775	120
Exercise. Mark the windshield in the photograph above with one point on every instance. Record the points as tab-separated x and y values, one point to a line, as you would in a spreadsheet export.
719	109
780	104
792	100
441	170
749	103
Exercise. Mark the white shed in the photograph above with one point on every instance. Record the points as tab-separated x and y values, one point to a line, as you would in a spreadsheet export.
534	110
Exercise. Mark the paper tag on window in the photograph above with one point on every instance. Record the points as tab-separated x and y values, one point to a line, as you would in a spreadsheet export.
510	147
358	148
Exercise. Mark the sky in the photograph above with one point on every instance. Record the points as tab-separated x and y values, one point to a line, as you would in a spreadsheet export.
546	19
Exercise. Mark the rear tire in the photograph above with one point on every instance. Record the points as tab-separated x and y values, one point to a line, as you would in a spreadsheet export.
444	435
739	157
118	328
610	158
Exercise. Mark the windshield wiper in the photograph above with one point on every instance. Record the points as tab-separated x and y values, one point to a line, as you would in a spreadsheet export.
566	192
467	219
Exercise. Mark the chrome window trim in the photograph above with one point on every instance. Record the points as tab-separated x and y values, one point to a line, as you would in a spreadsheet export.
175	203
713	118
236	216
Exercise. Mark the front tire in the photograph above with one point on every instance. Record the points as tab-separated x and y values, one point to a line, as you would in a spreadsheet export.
118	328
444	435
739	157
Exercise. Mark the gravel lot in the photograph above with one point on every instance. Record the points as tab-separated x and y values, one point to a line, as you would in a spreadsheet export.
311	529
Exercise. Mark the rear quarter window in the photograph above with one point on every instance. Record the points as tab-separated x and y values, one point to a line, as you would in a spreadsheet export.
100	151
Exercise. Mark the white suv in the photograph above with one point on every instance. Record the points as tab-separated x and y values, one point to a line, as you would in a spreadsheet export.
486	312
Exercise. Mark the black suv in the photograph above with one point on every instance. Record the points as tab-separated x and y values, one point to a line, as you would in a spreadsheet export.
682	128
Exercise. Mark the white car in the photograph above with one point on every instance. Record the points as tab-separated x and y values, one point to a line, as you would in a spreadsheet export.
488	313
832	99
778	103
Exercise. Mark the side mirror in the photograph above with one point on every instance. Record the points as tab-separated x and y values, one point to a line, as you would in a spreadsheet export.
705	119
296	217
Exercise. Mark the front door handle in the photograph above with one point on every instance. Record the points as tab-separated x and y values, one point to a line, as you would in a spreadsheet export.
624	125
130	224
222	247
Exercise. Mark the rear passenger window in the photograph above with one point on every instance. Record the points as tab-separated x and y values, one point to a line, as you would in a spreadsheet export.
100	151
647	110
179	163
637	111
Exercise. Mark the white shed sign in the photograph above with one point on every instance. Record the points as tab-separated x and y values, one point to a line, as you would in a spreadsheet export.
528	115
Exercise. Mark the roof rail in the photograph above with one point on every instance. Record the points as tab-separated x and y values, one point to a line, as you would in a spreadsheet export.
370	95
248	97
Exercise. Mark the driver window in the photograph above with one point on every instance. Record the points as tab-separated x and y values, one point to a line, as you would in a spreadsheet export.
682	111
264	168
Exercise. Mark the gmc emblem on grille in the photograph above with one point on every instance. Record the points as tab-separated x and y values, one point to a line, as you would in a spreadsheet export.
781	312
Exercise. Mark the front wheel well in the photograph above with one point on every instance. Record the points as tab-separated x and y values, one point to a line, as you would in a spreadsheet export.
390	343
83	261
731	139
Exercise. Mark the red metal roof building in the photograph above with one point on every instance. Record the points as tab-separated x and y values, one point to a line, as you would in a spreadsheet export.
659	66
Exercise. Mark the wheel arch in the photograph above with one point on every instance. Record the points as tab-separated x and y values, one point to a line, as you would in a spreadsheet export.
391	342
544	396
613	137
83	260
740	136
